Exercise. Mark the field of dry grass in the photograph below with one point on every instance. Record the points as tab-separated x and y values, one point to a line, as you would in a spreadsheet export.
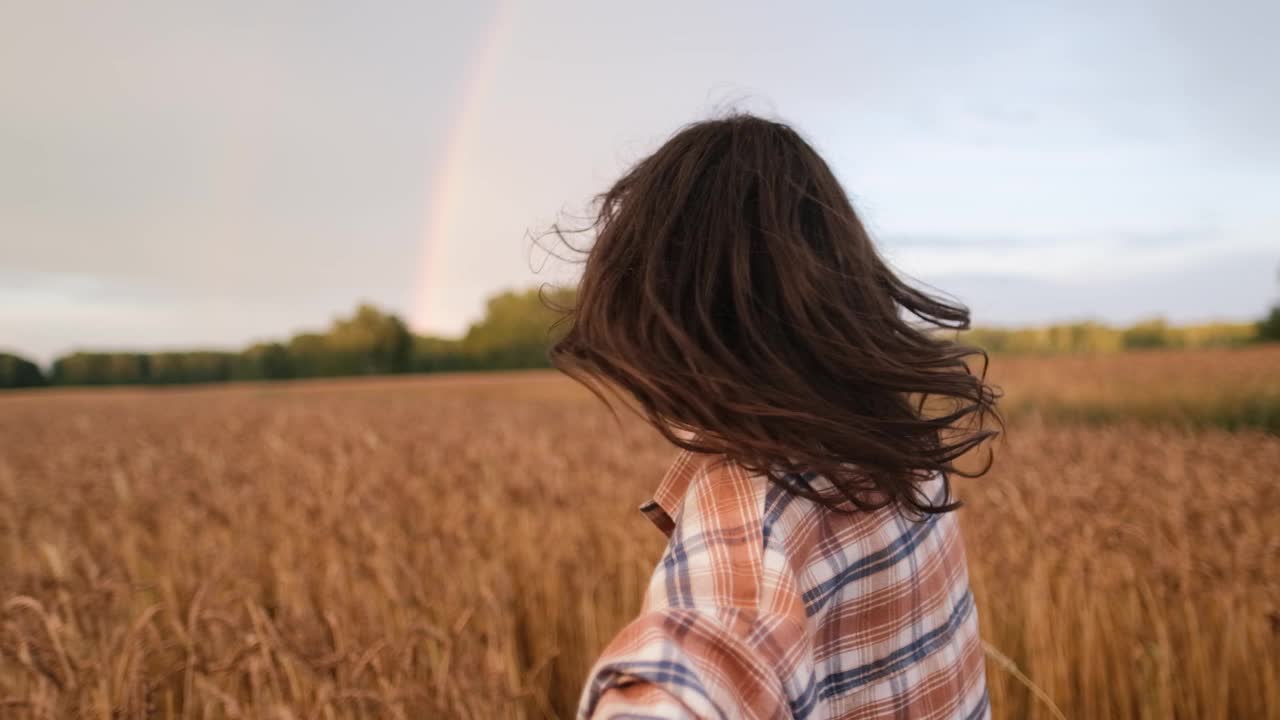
1229	389
462	546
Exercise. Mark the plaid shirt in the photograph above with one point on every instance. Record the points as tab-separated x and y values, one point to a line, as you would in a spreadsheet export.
768	605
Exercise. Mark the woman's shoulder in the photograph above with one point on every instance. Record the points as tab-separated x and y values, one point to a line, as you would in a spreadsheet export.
700	485
719	487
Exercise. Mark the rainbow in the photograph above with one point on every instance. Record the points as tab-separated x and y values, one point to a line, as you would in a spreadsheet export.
441	224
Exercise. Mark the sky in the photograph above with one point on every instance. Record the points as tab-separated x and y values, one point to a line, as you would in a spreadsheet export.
182	175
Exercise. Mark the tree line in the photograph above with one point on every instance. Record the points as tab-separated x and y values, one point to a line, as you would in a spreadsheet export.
1094	337
514	333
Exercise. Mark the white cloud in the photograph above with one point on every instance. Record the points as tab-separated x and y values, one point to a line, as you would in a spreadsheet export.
1100	256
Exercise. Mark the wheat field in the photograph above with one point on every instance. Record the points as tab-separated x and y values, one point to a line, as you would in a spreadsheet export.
462	546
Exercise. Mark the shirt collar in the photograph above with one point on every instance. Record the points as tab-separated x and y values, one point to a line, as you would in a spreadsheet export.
664	505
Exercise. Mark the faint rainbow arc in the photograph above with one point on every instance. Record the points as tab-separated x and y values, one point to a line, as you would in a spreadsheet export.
441	219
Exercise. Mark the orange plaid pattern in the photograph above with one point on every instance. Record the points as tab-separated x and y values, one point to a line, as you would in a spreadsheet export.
769	605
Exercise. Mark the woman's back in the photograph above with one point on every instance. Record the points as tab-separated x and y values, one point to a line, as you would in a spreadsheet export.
814	569
768	604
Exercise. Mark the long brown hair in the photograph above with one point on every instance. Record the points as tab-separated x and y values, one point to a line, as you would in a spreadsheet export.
732	291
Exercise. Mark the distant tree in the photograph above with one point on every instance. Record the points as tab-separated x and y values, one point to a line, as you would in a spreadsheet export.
435	354
126	368
309	354
1149	334
85	368
1269	327
189	367
516	329
371	342
1093	337
264	361
19	372
1220	334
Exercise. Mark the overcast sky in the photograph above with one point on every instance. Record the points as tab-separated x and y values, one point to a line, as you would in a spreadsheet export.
174	175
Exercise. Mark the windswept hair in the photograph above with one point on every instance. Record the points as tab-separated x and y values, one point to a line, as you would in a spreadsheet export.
732	291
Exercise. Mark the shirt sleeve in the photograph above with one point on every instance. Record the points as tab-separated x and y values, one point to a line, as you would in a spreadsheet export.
723	626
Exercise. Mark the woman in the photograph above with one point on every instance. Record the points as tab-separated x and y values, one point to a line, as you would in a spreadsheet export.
814	568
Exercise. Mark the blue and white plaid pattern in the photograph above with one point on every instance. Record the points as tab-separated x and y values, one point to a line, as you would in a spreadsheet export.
770	605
